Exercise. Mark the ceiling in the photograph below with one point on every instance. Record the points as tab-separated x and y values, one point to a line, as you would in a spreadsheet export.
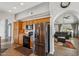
7	8
66	18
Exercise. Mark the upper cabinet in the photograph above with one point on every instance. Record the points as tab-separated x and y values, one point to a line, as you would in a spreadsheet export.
41	20
30	22
20	27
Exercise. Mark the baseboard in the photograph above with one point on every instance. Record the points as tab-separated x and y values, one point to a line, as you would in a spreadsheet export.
50	55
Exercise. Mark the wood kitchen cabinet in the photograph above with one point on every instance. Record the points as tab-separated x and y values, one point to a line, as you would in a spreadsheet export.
27	22
18	33
20	28
20	41
15	32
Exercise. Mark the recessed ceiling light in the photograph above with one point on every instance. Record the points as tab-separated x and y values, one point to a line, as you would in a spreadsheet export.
10	10
21	4
14	7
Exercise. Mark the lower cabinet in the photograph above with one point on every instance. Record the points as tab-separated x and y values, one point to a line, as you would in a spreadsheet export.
20	39
26	41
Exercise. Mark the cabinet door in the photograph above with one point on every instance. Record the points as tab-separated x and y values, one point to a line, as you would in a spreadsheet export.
20	27
15	32
27	23
24	25
20	34
21	39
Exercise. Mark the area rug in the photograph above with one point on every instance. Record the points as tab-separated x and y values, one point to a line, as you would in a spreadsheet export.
24	51
2	50
69	45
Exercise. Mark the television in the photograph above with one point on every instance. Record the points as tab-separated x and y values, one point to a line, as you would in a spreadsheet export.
29	27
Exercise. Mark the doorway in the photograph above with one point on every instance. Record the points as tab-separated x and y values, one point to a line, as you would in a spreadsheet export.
10	32
66	34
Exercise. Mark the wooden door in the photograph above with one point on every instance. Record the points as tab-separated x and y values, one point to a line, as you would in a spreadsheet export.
20	34
15	32
20	39
24	26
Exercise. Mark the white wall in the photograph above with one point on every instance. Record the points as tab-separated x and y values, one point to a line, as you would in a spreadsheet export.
2	29
41	10
4	43
10	21
56	10
70	19
2	32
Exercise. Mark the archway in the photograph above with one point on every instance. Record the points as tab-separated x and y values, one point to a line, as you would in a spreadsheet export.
66	29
